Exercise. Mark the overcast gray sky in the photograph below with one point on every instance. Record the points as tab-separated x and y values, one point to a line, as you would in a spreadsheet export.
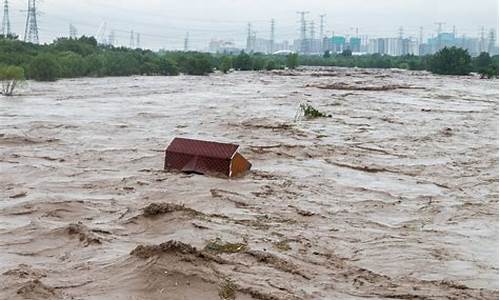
164	23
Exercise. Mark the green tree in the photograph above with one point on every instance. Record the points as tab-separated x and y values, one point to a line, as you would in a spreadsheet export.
451	61
243	62
292	61
44	67
482	64
196	64
72	65
271	64
10	77
259	62
168	67
226	64
346	52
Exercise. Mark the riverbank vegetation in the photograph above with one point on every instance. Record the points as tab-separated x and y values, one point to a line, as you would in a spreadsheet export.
84	57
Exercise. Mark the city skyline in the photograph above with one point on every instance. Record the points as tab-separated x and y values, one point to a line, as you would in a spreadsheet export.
163	24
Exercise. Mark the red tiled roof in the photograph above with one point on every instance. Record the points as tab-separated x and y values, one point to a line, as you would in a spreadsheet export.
202	148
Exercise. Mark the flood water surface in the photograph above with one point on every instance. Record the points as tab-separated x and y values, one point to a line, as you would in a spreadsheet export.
395	196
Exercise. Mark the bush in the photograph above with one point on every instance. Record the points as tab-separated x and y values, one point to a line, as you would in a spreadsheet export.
451	61
312	113
44	68
10	76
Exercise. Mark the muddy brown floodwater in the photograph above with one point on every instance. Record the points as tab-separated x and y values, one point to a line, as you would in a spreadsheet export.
393	197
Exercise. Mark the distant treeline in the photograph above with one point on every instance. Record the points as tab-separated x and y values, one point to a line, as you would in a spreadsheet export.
84	57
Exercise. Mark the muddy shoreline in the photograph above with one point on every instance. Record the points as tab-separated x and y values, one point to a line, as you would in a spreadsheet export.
394	197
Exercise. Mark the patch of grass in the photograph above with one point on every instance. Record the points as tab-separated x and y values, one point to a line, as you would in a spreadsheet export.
310	112
219	246
227	290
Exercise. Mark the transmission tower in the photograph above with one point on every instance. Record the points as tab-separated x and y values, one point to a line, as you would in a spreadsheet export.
492	41
138	40
303	31
439	31
73	32
6	19
249	37
271	42
401	32
312	30
132	40
111	38
482	44
454	31
322	26
31	29
101	33
186	42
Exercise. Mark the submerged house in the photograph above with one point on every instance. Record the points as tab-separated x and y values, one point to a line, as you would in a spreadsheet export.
204	157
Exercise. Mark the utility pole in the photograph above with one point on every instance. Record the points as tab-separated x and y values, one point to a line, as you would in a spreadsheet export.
31	29
138	40
6	19
186	42
272	42
303	31
73	32
132	40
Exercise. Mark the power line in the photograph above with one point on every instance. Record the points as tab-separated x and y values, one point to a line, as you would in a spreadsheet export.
6	19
